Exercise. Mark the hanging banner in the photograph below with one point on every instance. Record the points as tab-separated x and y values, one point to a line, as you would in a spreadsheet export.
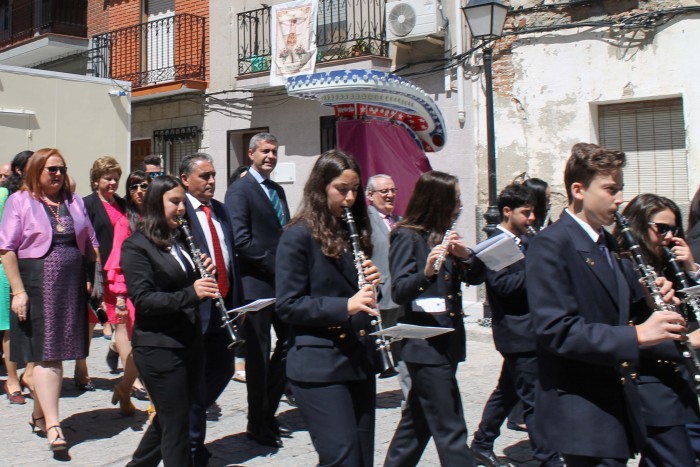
293	40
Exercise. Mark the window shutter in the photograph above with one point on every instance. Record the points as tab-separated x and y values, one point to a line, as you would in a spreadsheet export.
652	135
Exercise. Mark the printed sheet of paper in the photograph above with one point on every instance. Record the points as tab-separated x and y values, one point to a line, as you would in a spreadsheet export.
257	305
409	331
695	290
498	252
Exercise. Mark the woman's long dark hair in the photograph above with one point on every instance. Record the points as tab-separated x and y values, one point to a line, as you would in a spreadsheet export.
326	229
639	212
432	205
694	211
15	181
132	212
539	188
153	224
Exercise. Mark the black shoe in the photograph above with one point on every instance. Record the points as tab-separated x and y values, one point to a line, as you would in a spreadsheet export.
291	400
284	432
266	440
112	360
139	393
515	427
486	458
83	386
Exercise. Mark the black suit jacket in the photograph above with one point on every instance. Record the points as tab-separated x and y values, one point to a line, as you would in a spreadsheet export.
694	241
256	233
101	223
162	292
407	256
211	319
325	344
511	322
587	402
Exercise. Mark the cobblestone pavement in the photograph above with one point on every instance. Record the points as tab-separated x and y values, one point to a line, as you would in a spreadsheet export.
100	436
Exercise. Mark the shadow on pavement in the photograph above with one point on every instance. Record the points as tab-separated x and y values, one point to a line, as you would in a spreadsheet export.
520	454
389	399
100	424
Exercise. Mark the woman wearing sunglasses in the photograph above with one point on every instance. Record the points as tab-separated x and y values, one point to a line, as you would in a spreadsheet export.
668	400
116	297
46	243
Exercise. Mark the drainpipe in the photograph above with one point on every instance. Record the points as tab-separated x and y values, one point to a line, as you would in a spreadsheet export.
461	113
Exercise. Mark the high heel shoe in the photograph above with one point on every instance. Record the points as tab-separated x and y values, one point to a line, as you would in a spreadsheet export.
14	397
139	393
83	386
23	385
35	427
124	398
59	442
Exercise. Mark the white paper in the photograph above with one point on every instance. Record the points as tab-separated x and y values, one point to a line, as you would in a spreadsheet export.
410	331
429	305
498	252
257	305
695	290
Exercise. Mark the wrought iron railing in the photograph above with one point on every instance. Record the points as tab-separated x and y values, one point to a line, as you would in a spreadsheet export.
167	49
344	28
24	19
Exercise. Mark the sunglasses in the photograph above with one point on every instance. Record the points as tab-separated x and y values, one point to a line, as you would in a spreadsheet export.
155	174
663	229
54	169
136	186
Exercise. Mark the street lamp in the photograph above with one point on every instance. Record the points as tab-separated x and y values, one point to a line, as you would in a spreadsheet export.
486	19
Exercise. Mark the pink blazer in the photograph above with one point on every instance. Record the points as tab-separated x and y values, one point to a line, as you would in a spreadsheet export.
25	227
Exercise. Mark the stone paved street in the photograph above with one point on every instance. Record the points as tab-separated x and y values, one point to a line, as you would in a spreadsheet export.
100	436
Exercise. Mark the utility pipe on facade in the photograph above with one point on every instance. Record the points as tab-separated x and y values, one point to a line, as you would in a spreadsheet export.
459	40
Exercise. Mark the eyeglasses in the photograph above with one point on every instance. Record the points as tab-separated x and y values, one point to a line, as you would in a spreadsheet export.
54	169
662	229
155	174
386	191
136	186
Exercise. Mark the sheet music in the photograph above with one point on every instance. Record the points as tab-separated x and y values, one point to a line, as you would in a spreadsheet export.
257	305
410	331
695	290
498	252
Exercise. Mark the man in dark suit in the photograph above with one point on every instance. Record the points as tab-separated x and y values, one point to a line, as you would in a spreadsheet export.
512	334
258	208
580	300
211	228
381	193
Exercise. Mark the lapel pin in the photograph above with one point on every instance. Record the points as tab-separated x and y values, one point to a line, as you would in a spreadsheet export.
590	262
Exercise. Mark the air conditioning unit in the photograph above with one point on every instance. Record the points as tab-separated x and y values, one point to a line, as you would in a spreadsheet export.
413	20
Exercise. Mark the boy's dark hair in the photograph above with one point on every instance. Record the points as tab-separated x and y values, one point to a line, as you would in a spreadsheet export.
588	160
151	159
514	196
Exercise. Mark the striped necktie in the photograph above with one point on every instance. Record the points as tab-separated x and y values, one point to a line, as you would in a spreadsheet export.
276	202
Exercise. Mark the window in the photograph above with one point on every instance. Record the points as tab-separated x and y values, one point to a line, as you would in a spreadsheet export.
174	144
328	137
652	134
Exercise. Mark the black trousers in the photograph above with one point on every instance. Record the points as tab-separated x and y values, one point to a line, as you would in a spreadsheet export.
667	446
516	383
171	377
265	375
584	461
340	418
216	362
434	408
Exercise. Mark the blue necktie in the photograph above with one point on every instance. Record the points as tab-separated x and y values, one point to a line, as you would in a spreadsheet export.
604	248
276	202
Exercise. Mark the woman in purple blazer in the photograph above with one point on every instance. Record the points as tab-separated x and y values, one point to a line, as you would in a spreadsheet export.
46	243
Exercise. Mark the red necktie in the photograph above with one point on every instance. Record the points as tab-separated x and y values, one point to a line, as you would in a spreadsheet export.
222	276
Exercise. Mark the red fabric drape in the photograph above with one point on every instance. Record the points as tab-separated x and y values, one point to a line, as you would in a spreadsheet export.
384	147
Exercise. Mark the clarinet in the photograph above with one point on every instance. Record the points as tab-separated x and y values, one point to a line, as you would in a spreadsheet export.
386	360
445	241
649	278
196	253
531	232
681	279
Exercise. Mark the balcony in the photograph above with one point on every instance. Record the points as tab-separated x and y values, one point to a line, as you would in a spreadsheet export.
344	29
32	31
168	53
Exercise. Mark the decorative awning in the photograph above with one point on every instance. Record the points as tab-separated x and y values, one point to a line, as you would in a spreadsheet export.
370	94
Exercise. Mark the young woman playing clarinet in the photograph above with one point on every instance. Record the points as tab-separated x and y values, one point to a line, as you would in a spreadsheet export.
431	296
667	397
331	359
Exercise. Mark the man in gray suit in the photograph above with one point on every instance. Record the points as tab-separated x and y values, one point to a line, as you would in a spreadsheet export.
381	193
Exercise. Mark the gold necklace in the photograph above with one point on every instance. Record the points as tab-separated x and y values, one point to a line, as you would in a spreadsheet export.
56	214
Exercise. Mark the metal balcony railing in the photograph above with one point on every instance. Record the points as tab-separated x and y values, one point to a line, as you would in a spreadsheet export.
24	19
344	28
167	49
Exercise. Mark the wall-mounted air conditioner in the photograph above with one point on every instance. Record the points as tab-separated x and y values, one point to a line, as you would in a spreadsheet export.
413	20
